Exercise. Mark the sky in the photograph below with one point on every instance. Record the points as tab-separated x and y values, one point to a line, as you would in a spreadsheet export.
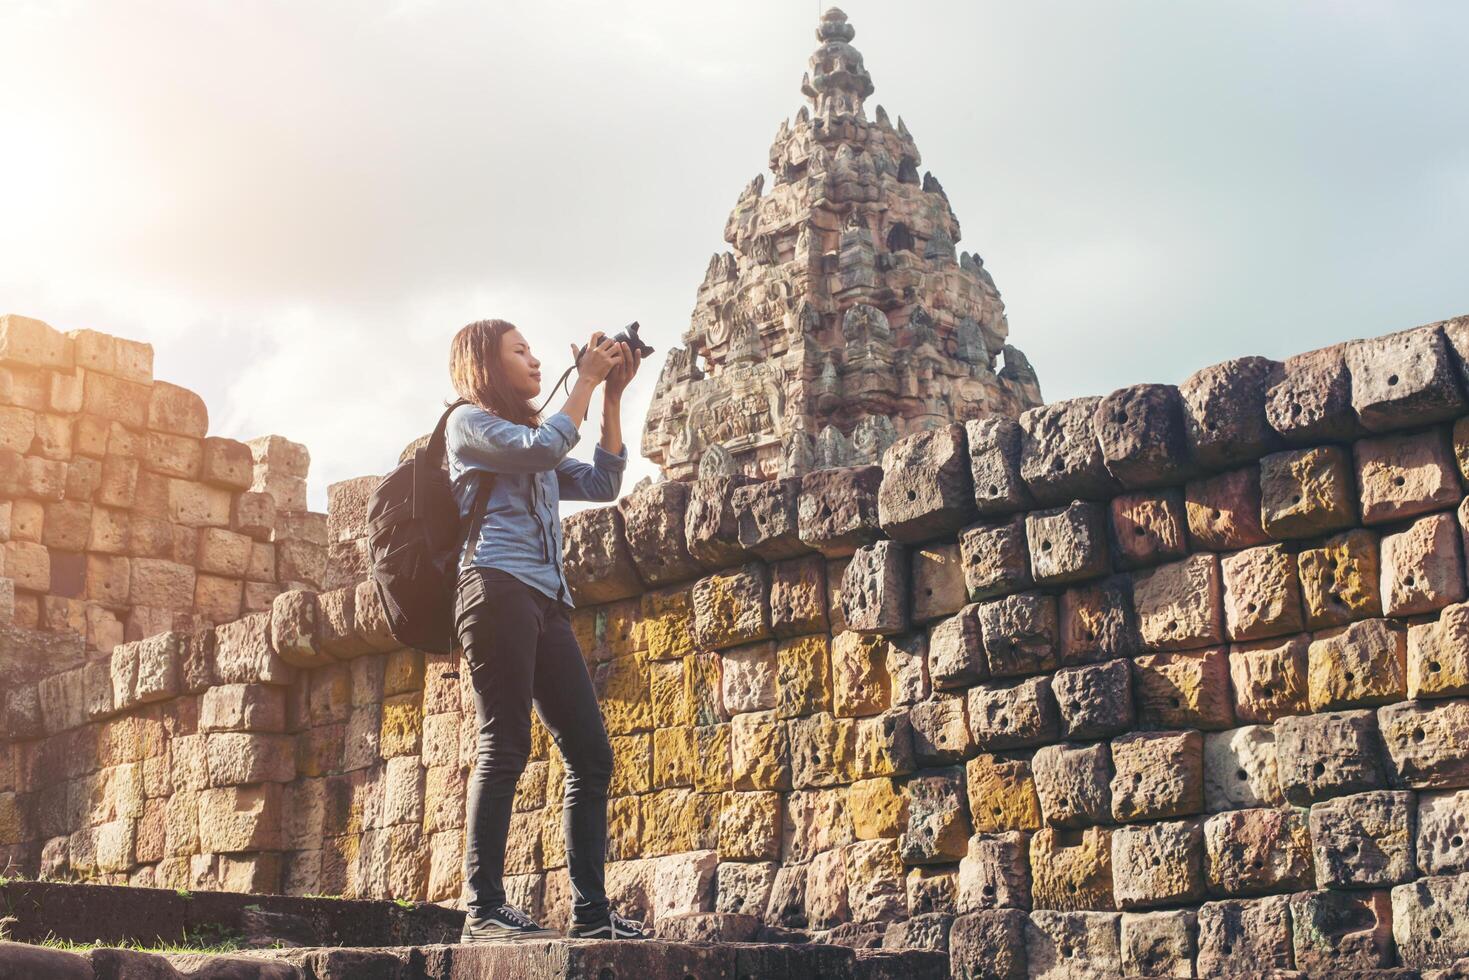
299	202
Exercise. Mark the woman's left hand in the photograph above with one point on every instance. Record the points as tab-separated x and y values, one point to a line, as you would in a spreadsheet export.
623	371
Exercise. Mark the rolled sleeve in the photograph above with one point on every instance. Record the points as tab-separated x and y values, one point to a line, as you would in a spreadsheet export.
598	481
486	441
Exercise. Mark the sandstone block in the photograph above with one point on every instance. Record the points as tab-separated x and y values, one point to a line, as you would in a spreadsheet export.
798	596
243	708
1421	567
1258	850
163	584
1403	379
760	752
1073	783
1363	664
1013	715
941	730
995	872
875	589
294	629
1340	579
1147	528
1249	937
1438	655
1336	931
768	513
743	888
1002	794
1428	921
803	676
1427	743
823	750
1060	458
838	510
956	656
1067	544
25	342
241	758
226	463
927	490
1322	756
1098	621
1262	595
860	681
1312	401
674	757
711	525
1094	701
598	564
1159	944
1224	411
874	875
748	677
938	818
1157	775
989	944
1067	944
937	582
240	818
749	827
995	558
732	607
816	820
223	552
994	464
884	745
1306	492
1363	840
1269	678
1019	633
1188	689
1158	863
1442	844
1179	605
1402	476
1223	511
1140	430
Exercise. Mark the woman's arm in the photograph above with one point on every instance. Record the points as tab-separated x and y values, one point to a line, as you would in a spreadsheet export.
483	440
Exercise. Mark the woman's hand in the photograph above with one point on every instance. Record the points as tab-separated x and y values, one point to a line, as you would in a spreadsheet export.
622	373
598	358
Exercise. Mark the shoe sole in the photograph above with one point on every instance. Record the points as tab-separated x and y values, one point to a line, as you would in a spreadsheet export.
510	937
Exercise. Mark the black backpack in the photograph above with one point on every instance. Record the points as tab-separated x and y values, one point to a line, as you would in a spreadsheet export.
415	542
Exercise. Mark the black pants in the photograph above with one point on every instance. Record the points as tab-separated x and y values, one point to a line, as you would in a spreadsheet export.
520	649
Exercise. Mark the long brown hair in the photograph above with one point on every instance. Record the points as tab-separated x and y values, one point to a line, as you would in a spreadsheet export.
478	375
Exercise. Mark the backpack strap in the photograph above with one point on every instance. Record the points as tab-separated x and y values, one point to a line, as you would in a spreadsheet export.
477	514
435	447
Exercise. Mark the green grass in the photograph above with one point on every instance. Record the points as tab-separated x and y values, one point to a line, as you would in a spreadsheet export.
184	945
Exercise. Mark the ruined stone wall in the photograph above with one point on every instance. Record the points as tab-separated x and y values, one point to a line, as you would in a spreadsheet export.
1171	680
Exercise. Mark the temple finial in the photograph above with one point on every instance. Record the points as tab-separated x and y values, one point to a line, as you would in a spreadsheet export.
837	82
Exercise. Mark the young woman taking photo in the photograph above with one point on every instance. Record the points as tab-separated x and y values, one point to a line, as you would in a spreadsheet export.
512	611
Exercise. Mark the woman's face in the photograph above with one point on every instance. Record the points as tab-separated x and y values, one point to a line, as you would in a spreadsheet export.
522	369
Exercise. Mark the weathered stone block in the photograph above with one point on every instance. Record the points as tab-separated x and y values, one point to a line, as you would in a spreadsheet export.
239	758
294	628
1259	850
938	818
1071	870
1148	528
989	944
798	596
860	681
1002	794
816	820
1067	544
760	752
938	587
1224	510
768	513
994	458
1014	715
1261	593
995	558
1098	621
1340	579
927	490
1159	944
1306	492
733	607
823	750
878	808
1404	379
1337	932
711	524
941	730
1363	664
1269	678
1421	567
598	566
1322	756
1140	430
1179	605
240	818
749	827
1312	401
1427	743
1073	782
748	678
1428	921
243	653
1363	840
1158	863
838	509
1249	937
1019	634
1094	701
1157	775
995	872
874	874
1066	944
1402	476
1224	411
1060	458
243	708
956	652
1188	689
875	589
1438	655
653	522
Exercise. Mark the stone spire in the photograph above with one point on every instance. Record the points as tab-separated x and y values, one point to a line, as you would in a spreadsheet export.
841	318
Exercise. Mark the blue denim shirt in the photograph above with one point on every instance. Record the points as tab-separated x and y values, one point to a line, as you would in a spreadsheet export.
522	527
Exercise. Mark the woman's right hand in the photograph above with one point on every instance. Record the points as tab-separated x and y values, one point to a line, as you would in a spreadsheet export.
598	358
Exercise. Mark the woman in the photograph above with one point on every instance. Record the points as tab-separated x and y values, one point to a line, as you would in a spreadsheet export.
512	606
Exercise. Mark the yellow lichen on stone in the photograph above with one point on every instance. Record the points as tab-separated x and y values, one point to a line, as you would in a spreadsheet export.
878	808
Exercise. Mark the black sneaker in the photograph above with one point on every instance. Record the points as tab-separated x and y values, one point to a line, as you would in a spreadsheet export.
612	927
507	924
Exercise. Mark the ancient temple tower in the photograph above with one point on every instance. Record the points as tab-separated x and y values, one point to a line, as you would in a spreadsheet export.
842	317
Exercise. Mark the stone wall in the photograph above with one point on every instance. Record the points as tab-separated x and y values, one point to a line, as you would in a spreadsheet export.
1171	680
